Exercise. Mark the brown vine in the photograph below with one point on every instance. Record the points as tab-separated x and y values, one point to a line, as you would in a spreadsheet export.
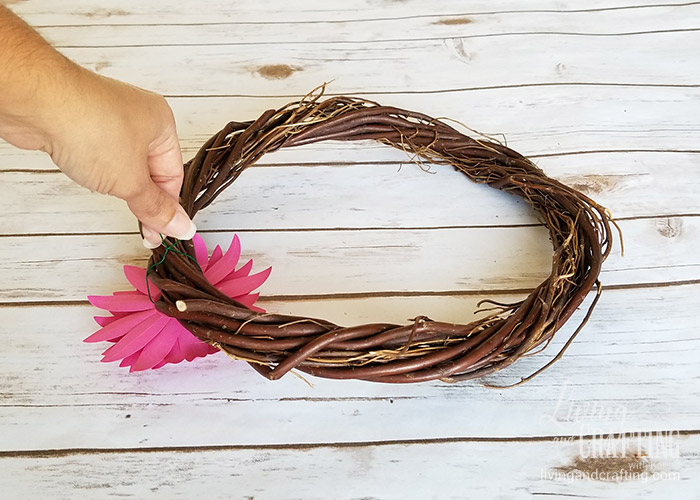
274	344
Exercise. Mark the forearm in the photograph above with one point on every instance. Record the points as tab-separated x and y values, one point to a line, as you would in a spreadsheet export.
106	135
36	81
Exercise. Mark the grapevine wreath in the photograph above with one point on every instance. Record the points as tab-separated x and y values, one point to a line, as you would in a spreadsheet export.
273	344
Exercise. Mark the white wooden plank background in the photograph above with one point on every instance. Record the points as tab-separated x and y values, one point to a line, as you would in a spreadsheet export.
604	95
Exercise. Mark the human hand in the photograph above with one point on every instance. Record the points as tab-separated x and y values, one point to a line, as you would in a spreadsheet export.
120	140
115	139
106	135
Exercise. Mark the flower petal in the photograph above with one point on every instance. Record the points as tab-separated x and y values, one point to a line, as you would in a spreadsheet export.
106	320
145	338
175	355
244	284
222	267
137	278
121	302
137	338
120	327
129	360
193	348
154	352
244	270
200	251
215	256
188	347
248	299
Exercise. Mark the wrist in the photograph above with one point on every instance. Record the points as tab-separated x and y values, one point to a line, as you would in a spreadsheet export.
36	81
38	107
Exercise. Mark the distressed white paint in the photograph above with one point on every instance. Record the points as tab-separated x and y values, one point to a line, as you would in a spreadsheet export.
628	371
256	27
87	12
430	471
534	120
604	96
392	195
69	267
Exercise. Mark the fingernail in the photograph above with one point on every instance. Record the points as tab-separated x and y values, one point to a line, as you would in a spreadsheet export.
151	238
150	245
181	227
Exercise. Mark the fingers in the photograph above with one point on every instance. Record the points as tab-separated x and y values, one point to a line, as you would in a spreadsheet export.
166	172
160	214
165	164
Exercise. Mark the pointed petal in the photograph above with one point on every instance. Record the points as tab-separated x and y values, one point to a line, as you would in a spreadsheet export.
201	350
137	278
137	338
187	347
245	284
216	255
128	361
155	293
175	355
193	348
120	327
247	299
257	309
200	251
121	302
106	320
103	320
244	270
154	352
226	264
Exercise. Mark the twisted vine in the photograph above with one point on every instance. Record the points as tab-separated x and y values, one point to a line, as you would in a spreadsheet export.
274	344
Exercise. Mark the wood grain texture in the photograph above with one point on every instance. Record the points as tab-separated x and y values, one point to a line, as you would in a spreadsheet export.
435	471
535	121
381	195
264	27
603	95
79	12
632	371
230	69
337	262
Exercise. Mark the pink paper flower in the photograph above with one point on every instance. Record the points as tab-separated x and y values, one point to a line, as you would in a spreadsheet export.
146	338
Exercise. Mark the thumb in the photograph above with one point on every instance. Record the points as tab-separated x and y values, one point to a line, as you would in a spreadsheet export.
159	213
